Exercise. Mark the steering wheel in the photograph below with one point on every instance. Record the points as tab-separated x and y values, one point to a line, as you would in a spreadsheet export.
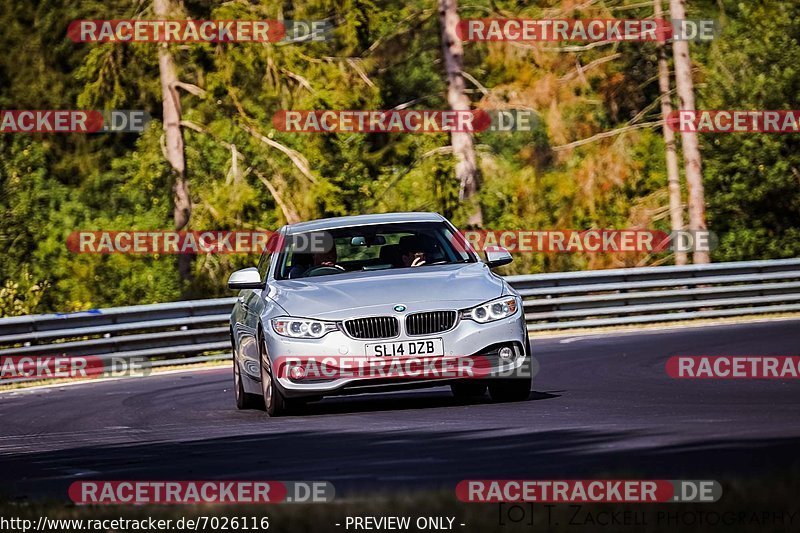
324	270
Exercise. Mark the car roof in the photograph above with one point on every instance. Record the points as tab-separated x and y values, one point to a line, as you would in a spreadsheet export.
362	220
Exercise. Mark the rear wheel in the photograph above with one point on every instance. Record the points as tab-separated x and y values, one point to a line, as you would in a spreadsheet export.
274	402
468	391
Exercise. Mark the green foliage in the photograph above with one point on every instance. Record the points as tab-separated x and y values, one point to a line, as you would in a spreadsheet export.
383	54
21	297
753	180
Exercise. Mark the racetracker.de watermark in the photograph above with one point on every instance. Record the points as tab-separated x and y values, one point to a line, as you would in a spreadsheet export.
180	242
198	31
733	367
588	491
587	241
45	367
735	121
405	121
199	492
73	121
586	30
402	366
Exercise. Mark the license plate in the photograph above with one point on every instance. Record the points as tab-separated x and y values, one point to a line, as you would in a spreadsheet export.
426	347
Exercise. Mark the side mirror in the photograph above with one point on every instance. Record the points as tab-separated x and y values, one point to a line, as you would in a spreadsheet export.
497	257
246	278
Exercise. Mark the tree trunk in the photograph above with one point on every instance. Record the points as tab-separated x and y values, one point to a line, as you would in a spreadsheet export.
182	203
691	147
467	171
673	172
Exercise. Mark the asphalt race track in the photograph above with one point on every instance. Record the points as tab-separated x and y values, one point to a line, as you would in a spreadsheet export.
601	404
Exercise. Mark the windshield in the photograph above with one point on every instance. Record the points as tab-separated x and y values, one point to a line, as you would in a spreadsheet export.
377	247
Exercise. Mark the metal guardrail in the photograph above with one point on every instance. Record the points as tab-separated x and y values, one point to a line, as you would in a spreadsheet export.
194	331
628	296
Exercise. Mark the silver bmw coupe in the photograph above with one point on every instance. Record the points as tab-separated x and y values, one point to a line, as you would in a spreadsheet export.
373	303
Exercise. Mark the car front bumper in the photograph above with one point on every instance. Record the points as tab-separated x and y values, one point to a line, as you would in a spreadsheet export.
467	339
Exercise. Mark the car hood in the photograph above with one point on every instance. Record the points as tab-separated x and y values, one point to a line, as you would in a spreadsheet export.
342	296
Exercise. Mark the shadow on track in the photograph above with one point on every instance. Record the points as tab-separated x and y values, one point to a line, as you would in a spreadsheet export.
366	459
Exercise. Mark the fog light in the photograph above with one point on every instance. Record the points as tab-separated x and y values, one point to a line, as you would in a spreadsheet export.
297	372
505	353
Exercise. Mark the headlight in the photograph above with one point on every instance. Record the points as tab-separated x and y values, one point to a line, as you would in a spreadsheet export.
490	311
302	328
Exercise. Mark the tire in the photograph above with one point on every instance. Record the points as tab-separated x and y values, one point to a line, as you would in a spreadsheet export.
468	391
274	402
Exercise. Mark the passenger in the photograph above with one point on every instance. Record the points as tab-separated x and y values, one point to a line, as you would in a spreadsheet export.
327	258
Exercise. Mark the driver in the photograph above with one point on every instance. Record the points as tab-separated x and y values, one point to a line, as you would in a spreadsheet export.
304	263
411	251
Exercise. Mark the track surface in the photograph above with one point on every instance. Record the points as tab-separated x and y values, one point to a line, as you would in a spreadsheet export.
601	404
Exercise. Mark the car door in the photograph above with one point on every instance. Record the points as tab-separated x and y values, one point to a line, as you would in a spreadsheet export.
248	308
257	303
